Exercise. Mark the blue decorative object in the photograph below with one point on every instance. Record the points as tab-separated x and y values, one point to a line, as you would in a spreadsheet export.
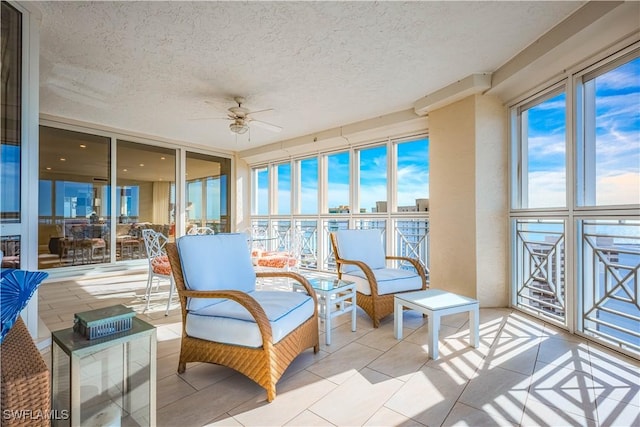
16	289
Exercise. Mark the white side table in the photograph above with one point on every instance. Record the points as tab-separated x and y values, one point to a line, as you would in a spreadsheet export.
333	293
436	303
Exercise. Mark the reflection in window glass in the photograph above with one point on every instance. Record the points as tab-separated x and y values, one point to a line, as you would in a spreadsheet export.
543	177
372	190
10	247
73	204
612	134
207	192
10	114
338	182
413	175
309	186
146	175
284	188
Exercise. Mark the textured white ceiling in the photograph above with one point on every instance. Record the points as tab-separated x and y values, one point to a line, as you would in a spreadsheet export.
149	67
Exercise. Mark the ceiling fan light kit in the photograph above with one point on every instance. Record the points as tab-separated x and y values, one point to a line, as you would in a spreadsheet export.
239	127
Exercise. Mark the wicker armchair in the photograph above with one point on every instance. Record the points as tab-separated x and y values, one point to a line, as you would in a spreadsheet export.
25	393
360	258
227	322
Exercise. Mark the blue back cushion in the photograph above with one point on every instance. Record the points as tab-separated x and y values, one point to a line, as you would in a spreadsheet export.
215	262
361	245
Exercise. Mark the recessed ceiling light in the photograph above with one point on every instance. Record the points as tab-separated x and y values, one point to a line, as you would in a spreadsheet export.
162	158
124	170
48	168
62	159
83	146
159	179
141	164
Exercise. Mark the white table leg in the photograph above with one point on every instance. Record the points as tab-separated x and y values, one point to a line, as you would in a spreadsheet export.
353	312
327	320
397	319
474	322
433	334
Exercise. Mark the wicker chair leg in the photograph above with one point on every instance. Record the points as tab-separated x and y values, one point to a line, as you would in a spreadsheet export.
316	349
271	392
182	366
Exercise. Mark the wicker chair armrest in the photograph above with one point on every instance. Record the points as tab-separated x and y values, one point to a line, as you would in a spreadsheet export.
245	300
416	264
295	276
368	272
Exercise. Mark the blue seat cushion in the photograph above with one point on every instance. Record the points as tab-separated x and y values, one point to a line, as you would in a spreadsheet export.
215	262
361	245
390	280
229	322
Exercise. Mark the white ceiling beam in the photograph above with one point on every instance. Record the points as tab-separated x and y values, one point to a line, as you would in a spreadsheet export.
470	85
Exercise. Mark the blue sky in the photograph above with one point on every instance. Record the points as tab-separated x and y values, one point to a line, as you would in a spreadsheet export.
617	147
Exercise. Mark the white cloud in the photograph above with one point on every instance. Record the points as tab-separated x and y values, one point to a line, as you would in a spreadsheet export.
618	189
547	189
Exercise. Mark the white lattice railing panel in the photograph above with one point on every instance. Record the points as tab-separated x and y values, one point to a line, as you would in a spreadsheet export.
609	279
540	267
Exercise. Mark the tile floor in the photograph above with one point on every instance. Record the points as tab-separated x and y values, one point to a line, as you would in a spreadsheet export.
525	372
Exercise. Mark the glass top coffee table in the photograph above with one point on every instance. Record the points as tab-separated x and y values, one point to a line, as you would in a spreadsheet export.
333	295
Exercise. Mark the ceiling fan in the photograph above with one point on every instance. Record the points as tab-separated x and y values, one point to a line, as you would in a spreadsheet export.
241	118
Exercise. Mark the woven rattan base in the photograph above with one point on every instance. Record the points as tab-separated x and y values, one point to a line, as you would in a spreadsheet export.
25	391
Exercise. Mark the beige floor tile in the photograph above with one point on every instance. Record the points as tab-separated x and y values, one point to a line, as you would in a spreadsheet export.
427	396
203	375
614	376
410	319
294	395
341	336
565	353
466	416
207	405
303	361
356	400
345	362
400	361
515	354
538	414
387	417
382	338
170	389
566	389
498	392
308	419
167	365
612	412
224	421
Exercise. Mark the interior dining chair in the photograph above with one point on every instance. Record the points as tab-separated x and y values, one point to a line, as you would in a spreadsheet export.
159	266
226	321
360	257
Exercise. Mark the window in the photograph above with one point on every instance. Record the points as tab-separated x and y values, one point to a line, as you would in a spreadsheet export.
338	182
260	201
611	135
74	203
308	187
542	168
283	188
208	192
576	264
11	115
372	179
412	175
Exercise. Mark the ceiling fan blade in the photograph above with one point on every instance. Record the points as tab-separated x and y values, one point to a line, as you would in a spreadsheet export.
259	111
265	125
212	118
